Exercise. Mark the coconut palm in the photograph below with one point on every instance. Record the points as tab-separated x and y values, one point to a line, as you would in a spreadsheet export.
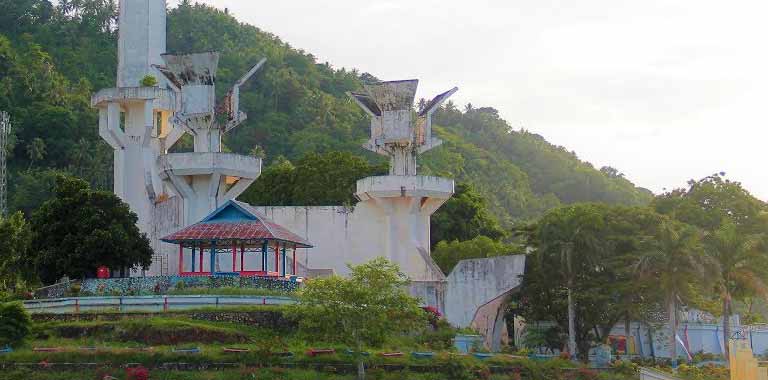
674	263
742	267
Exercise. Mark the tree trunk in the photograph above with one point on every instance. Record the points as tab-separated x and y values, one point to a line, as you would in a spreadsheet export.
360	368
673	329
360	362
727	326
571	311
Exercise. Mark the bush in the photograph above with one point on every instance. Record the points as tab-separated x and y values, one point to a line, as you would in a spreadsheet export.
14	323
148	81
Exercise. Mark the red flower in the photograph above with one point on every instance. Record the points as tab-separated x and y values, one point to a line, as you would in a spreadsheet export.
137	373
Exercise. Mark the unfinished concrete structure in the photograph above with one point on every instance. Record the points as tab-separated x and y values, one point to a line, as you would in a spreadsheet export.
478	291
142	122
171	190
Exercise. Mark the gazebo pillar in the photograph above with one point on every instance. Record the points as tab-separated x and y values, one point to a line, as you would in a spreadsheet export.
193	258
213	257
234	256
242	257
282	266
277	257
202	253
264	249
181	258
294	260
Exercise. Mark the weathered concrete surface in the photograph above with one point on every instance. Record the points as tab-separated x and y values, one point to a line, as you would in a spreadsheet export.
344	236
205	180
477	291
396	131
141	42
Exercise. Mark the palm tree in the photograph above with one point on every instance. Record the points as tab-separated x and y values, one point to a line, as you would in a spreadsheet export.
36	151
742	266
674	263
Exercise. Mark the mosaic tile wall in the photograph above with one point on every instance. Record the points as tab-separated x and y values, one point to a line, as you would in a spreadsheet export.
140	286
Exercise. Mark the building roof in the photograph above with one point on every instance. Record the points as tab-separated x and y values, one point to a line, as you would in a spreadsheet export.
236	221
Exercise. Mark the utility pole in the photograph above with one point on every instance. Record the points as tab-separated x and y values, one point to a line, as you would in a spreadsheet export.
5	132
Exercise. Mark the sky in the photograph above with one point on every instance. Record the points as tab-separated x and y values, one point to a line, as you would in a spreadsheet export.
664	91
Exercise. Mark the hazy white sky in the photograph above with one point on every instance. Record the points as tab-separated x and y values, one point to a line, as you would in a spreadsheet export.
664	91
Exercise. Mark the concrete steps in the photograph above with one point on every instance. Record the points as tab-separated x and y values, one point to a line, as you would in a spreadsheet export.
653	374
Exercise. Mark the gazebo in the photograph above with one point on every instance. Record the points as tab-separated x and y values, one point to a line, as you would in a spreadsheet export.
237	229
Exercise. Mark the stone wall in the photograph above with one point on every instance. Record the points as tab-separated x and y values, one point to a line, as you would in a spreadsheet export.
137	286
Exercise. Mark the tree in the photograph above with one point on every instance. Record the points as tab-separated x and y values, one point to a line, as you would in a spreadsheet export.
316	180
14	323
15	239
464	217
736	226
447	254
576	275
79	230
712	201
742	263
36	151
673	263
363	310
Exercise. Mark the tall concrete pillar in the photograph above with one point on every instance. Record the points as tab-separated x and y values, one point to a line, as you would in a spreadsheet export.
205	178
405	199
141	42
129	113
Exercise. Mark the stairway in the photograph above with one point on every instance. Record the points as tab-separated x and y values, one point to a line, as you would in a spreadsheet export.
653	374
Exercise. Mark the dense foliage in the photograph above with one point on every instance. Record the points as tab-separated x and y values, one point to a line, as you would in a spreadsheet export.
15	239
448	253
463	217
52	57
365	309
315	180
736	241
636	263
14	324
80	229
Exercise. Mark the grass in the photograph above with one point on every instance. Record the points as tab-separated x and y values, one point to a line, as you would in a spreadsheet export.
117	341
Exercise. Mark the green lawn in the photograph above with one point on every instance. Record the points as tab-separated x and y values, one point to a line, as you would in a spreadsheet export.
150	341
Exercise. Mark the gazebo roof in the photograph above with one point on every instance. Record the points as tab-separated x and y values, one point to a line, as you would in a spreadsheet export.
236	221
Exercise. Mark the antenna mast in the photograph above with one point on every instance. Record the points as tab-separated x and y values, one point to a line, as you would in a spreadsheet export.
5	132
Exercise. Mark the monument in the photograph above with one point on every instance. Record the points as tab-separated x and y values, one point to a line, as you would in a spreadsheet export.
143	120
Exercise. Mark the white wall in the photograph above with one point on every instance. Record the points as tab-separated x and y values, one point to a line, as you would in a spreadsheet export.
474	283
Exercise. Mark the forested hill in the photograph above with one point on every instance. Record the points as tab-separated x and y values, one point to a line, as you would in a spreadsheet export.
53	57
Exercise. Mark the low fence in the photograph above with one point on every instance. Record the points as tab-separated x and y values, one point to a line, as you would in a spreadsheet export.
147	303
157	285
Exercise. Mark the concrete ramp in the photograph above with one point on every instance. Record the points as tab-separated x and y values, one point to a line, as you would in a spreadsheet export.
653	374
477	291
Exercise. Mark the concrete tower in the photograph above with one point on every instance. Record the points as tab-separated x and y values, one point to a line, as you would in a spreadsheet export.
133	118
142	40
404	199
168	191
205	178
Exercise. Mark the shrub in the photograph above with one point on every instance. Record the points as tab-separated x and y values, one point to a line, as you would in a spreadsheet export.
148	81
74	290
14	323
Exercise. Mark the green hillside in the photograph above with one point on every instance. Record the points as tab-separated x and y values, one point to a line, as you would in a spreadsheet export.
53	57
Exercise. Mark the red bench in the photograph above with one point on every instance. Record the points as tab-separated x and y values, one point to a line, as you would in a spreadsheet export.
236	350
392	354
320	351
47	349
